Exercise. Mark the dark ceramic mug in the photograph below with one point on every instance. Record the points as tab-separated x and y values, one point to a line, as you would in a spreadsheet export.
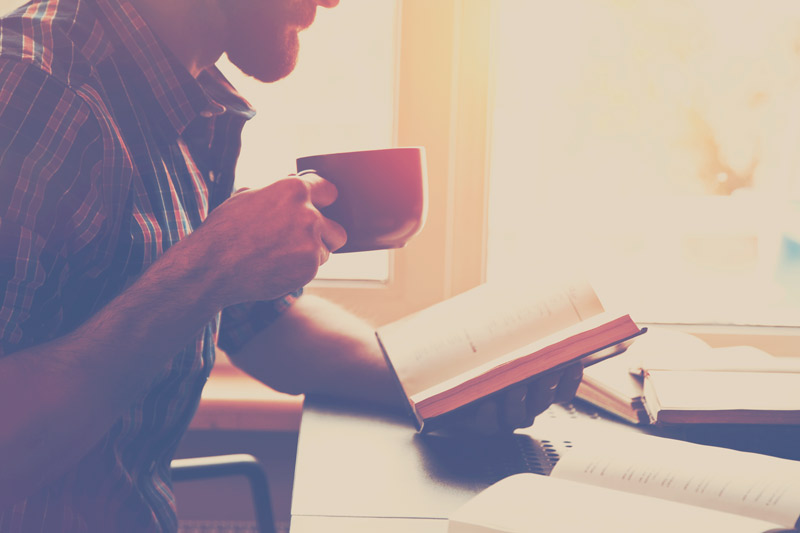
383	197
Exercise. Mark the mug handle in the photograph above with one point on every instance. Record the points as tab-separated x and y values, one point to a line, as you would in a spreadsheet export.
306	171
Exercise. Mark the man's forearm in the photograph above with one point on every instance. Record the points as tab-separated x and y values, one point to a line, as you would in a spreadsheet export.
59	398
316	347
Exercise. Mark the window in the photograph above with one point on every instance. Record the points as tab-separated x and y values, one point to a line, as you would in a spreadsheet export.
339	98
654	146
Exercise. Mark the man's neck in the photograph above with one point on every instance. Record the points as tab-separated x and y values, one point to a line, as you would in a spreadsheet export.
193	30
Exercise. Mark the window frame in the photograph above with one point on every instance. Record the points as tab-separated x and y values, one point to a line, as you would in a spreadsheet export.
442	97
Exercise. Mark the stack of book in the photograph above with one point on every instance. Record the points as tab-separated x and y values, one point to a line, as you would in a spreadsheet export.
667	377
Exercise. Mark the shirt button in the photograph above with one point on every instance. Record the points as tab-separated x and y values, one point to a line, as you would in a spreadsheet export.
206	114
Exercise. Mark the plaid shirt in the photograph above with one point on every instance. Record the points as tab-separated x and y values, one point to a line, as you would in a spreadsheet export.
110	152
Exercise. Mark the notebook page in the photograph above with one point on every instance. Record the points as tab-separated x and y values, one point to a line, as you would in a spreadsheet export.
527	503
758	486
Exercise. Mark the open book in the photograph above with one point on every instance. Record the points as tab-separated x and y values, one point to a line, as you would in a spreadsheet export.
491	337
675	378
642	483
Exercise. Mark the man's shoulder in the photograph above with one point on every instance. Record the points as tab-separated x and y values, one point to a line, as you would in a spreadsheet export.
59	37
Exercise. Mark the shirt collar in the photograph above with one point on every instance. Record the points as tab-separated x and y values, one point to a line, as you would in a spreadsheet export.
173	98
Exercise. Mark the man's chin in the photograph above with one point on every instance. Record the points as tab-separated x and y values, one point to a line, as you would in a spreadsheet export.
265	73
268	67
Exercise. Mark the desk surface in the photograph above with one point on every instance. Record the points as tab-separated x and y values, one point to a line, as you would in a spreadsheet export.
360	470
347	524
369	465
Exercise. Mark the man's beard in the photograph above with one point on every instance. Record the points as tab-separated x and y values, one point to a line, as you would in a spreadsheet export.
262	42
267	62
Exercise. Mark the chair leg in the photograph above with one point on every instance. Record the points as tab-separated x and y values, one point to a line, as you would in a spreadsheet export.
232	465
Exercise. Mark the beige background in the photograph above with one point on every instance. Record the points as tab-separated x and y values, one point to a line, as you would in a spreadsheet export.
7	5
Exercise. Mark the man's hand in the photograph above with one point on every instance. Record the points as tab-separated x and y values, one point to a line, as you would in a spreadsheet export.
273	240
520	404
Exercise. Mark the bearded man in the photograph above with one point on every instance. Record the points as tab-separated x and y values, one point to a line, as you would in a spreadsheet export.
124	257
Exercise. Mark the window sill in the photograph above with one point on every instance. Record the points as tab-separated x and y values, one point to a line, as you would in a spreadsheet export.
232	400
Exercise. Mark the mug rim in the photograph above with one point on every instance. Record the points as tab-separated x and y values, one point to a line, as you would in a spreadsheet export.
375	150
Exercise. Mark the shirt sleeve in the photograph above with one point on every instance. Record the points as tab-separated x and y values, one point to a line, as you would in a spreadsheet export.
240	323
50	153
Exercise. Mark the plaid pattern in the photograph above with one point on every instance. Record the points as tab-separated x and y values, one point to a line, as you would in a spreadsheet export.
110	152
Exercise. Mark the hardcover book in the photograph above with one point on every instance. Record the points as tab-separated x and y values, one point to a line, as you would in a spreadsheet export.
491	337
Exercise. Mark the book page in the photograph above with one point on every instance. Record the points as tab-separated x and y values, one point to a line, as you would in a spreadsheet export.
530	502
748	484
458	334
